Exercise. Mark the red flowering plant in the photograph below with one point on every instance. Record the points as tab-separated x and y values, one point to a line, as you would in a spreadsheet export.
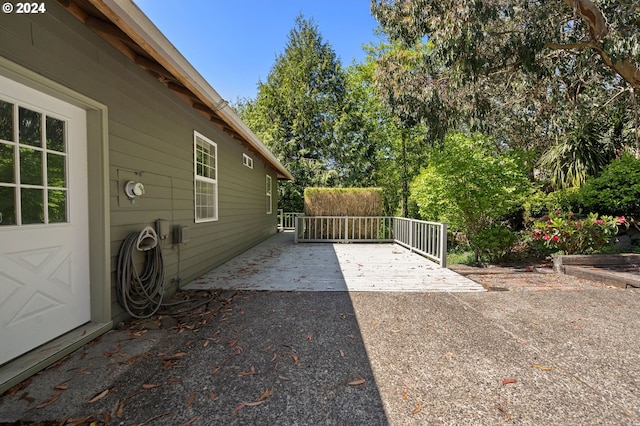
564	231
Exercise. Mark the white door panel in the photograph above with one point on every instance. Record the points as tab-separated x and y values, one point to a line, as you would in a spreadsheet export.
44	262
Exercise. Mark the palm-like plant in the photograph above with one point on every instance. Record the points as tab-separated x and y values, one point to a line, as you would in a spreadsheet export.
582	153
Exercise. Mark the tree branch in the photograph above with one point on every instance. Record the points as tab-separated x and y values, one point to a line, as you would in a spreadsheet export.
569	46
597	23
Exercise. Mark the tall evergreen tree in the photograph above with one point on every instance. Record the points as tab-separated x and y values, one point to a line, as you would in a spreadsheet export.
296	111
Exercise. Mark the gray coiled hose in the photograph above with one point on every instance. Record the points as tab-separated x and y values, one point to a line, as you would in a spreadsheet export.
140	293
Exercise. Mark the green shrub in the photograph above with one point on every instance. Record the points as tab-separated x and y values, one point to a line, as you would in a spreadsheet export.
469	183
616	191
493	242
541	203
456	257
572	235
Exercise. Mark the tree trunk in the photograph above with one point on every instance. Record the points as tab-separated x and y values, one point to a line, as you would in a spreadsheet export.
405	176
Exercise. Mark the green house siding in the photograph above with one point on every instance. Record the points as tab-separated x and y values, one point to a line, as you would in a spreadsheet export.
150	140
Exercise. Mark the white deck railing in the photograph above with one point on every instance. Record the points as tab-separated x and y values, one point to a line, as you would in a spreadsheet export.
426	238
287	220
343	229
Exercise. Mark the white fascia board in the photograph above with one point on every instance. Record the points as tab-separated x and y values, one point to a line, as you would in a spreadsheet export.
130	19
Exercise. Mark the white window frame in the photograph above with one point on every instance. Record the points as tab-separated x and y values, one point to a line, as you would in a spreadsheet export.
269	194
247	161
210	181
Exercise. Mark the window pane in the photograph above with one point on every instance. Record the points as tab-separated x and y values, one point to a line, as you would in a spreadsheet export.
6	164
56	170
7	206
30	127
6	121
30	167
205	200
205	160
57	206
32	206
55	134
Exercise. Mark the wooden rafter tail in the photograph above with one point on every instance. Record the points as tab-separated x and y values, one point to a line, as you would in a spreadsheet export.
100	26
150	65
74	10
179	88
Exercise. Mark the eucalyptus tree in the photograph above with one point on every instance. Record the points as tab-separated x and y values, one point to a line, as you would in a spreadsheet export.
526	72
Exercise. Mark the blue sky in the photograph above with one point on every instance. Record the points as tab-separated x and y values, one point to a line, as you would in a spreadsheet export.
234	43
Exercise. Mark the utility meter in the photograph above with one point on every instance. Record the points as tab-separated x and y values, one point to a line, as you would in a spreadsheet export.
134	189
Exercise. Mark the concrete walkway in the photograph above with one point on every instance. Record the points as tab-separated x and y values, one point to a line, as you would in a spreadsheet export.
279	264
542	358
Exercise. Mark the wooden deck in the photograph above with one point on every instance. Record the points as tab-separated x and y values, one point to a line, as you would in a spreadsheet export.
279	264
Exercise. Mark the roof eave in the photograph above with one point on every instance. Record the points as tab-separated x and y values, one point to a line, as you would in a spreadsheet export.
131	20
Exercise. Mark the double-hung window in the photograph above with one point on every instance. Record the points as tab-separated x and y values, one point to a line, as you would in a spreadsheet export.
206	178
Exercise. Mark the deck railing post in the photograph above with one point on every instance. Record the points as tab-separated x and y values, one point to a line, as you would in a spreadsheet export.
411	224
295	235
443	245
346	229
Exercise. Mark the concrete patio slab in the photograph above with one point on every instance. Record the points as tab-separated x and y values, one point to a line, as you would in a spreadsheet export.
279	264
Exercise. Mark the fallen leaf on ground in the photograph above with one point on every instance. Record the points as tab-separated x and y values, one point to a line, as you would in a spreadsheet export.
341	353
503	411
149	386
120	410
357	382
541	367
98	396
417	409
308	336
17	388
190	421
25	396
212	395
215	370
114	411
294	357
508	381
283	378
175	356
61	387
79	421
266	394
251	371
51	400
189	403
238	408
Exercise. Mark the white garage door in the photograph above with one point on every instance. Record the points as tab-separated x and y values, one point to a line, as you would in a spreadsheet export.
44	241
